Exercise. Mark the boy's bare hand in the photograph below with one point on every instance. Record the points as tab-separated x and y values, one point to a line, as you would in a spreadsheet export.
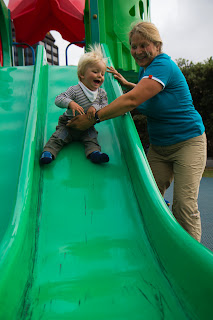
91	113
75	107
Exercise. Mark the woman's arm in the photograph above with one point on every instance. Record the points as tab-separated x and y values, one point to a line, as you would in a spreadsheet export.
144	90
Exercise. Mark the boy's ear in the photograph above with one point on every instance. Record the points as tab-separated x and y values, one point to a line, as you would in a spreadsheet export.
81	76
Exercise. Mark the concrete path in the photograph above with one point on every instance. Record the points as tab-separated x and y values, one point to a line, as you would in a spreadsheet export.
205	203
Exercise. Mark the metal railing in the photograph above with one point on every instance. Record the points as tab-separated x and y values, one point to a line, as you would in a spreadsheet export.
76	42
26	45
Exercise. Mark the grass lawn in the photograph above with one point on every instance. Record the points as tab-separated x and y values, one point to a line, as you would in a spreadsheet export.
208	173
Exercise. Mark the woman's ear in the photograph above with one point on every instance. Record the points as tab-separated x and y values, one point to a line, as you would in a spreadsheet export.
158	46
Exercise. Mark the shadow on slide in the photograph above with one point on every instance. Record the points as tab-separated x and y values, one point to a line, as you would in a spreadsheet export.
86	241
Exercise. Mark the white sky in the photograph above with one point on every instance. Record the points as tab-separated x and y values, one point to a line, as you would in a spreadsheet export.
74	52
185	26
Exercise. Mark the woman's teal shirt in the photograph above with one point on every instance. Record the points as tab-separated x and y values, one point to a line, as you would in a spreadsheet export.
171	116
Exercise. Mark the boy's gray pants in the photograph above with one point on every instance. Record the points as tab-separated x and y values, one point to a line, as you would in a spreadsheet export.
64	135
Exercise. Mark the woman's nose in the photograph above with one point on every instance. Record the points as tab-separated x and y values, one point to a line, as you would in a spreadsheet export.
139	50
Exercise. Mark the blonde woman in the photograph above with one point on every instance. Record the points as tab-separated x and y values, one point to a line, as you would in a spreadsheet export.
176	131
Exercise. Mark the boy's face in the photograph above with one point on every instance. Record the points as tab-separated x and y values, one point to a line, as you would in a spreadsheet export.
94	76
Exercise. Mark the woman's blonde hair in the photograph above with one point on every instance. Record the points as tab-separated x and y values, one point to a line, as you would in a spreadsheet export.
90	58
148	31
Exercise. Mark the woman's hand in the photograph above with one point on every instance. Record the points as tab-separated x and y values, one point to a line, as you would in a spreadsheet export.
123	82
117	76
75	107
81	122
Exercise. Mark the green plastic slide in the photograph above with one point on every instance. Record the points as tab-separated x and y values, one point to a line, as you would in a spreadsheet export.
86	241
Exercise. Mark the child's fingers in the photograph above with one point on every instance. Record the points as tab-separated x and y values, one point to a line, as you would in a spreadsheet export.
89	116
81	111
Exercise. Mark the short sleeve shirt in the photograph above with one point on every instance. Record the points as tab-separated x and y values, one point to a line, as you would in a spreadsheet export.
171	116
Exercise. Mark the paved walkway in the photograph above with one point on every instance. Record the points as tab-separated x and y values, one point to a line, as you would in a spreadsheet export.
205	203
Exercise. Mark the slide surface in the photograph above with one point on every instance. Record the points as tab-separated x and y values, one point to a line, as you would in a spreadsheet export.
15	91
94	261
97	241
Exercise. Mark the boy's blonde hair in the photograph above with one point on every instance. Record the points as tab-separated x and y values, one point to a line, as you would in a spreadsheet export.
148	31
90	58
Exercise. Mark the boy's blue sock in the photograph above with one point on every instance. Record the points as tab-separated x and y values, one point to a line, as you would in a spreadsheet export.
46	157
167	202
98	157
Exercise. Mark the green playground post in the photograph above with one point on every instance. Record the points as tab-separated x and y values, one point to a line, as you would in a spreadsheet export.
5	34
104	23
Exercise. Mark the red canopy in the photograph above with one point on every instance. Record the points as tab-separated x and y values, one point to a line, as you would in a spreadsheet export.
34	18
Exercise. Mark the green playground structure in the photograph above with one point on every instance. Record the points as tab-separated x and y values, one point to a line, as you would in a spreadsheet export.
79	240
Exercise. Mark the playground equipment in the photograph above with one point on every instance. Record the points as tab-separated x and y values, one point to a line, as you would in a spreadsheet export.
77	240
33	19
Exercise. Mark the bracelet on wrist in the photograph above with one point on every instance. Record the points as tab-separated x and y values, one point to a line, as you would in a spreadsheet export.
97	118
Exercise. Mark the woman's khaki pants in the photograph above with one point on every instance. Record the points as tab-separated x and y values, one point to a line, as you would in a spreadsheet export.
184	162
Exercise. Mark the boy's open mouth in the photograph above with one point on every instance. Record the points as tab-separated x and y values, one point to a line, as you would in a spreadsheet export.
97	81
